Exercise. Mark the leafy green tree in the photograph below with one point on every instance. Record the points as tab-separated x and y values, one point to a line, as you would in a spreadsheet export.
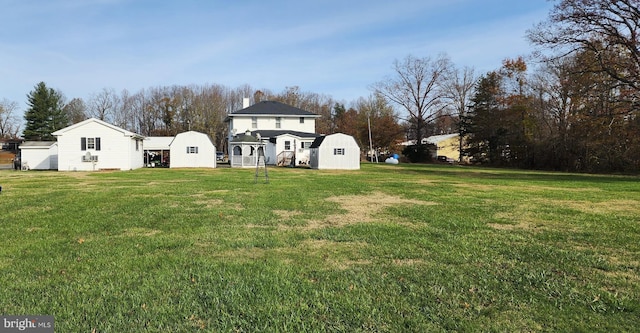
45	114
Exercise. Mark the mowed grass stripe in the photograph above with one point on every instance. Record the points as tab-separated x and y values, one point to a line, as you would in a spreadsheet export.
385	248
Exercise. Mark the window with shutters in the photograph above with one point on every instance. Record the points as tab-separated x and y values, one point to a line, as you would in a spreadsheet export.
89	144
192	150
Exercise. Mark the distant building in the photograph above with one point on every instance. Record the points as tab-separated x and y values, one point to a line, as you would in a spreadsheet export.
286	131
335	151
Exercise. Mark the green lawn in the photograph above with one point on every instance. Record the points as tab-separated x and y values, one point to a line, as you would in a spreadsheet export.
389	248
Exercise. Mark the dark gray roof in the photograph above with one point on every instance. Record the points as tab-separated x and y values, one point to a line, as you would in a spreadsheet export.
317	142
273	133
273	108
245	138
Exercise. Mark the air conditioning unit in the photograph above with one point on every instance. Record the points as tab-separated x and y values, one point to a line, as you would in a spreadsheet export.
89	158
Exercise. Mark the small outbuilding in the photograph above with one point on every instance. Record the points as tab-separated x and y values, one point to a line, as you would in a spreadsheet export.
192	150
335	151
245	150
39	155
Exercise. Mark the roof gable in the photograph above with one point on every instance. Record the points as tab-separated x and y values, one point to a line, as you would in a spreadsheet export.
97	121
333	137
273	108
191	134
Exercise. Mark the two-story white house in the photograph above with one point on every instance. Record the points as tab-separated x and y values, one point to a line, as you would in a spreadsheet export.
286	131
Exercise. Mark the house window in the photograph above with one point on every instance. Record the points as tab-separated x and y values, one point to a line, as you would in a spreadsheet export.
89	143
192	150
338	151
287	145
302	120
278	122
254	122
137	145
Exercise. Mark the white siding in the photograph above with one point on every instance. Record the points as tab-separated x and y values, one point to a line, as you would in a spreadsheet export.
204	158
324	157
117	148
40	158
289	123
302	154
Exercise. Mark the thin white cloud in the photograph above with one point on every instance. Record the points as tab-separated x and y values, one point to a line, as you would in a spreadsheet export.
330	47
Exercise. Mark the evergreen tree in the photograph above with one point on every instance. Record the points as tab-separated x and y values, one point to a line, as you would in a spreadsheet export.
484	124
45	114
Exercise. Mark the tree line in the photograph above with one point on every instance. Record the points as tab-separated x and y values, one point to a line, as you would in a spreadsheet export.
572	105
577	110
580	109
169	110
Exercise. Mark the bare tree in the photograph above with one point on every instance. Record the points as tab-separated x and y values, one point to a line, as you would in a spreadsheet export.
458	89
103	104
9	124
75	110
415	87
609	29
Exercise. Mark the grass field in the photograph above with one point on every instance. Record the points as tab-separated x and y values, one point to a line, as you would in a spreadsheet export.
389	248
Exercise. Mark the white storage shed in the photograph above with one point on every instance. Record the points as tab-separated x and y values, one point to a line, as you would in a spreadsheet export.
335	151
192	150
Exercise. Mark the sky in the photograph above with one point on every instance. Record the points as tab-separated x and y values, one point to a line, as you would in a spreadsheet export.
337	48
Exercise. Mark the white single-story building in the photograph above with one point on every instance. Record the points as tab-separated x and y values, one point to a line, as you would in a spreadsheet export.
39	155
335	151
93	144
192	150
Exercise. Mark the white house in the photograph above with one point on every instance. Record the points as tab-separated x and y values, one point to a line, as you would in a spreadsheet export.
192	150
39	155
335	151
286	131
93	144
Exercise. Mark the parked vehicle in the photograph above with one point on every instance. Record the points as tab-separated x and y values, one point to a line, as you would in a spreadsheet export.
445	159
